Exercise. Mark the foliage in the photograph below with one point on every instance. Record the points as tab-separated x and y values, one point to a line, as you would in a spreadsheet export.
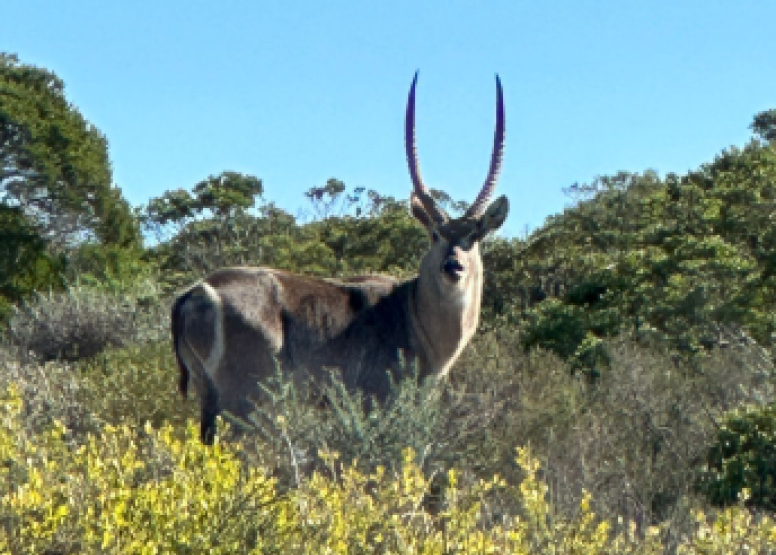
212	227
127	491
81	322
55	188
741	464
52	391
133	384
390	241
631	440
384	238
443	426
224	196
669	259
764	125
332	200
113	269
25	263
54	164
130	490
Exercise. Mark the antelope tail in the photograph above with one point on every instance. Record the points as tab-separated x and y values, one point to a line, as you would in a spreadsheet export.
177	332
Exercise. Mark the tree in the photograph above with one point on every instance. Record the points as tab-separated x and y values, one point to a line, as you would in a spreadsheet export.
211	226
54	164
25	263
668	260
764	125
224	196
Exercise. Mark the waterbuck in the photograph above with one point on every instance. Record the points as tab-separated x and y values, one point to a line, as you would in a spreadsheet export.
231	328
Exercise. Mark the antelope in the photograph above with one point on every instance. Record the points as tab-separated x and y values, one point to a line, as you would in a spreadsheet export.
230	329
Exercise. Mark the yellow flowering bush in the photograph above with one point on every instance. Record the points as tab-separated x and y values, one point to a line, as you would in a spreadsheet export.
33	508
734	530
147	490
128	491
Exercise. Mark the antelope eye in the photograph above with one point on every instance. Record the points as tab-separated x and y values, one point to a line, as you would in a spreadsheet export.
435	236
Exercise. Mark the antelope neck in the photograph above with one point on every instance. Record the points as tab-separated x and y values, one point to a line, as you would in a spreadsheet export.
443	326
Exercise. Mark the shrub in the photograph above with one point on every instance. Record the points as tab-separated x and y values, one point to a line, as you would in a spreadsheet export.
26	265
127	490
443	426
633	438
144	490
52	391
133	385
111	268
81	322
741	463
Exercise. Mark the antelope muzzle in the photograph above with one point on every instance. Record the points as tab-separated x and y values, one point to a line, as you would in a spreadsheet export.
453	268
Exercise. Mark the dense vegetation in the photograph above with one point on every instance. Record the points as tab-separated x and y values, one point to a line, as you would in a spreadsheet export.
619	397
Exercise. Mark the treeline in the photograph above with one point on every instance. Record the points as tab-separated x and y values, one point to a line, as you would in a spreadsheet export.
665	259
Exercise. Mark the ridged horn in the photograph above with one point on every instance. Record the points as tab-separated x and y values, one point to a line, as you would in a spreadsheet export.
479	204
419	187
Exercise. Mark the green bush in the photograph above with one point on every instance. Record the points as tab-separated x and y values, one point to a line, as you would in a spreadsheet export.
113	269
26	265
134	384
444	426
632	438
741	464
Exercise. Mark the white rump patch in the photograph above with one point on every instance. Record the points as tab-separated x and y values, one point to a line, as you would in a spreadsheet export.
208	364
213	361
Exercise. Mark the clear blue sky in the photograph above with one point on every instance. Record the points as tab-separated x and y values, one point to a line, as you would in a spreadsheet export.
297	92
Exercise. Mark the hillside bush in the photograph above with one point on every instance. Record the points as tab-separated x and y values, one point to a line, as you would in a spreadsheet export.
630	442
83	321
52	391
113	269
26	264
442	425
634	438
741	463
126	490
134	384
144	490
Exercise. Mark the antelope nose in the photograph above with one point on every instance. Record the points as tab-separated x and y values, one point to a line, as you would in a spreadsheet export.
453	268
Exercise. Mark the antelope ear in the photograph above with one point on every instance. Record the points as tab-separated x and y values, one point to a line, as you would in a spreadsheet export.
416	207
494	216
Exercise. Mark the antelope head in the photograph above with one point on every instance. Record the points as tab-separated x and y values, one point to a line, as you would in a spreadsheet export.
453	264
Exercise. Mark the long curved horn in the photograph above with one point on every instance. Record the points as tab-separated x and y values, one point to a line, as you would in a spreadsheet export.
409	142
412	159
479	204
